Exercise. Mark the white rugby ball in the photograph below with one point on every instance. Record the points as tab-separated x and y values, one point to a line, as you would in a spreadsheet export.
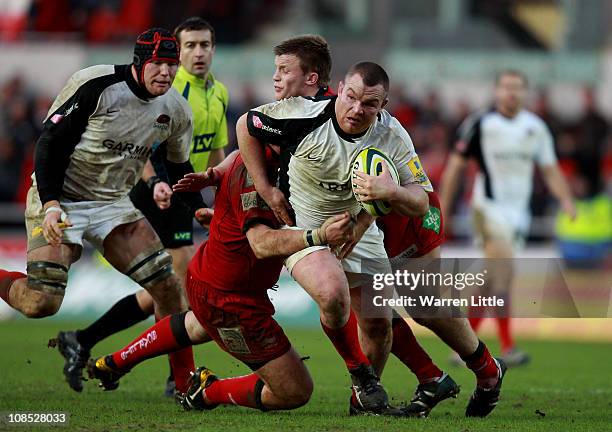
369	161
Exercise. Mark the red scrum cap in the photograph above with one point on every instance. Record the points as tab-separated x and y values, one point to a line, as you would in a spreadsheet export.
156	44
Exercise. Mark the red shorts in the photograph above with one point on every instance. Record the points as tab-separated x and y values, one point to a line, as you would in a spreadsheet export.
241	325
413	237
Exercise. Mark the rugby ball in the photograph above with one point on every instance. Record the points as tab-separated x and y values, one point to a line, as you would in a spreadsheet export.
369	161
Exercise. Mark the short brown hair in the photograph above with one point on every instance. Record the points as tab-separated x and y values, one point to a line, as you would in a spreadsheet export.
511	72
194	23
371	73
313	53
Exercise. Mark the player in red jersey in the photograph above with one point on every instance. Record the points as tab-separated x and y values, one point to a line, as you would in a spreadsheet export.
227	283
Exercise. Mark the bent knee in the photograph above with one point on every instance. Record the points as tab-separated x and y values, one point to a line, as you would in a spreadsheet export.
41	305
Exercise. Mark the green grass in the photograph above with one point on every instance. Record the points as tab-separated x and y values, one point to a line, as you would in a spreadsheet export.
570	383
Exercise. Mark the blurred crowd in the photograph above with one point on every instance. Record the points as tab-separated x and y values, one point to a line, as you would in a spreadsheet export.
108	21
584	145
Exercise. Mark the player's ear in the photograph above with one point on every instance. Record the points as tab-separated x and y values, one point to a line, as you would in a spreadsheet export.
384	102
312	78
340	87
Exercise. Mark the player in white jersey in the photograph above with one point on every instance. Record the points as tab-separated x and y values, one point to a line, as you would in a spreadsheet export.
505	142
96	139
319	140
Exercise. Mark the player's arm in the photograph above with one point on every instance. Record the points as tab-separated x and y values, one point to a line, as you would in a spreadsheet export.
559	188
553	177
252	151
61	133
450	182
267	242
162	193
467	146
216	157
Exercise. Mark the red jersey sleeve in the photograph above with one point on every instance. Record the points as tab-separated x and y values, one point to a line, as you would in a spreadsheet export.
249	207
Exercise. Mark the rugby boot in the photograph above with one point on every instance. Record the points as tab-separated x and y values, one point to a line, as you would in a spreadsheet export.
355	409
369	393
76	356
430	394
104	370
484	400
170	390
193	399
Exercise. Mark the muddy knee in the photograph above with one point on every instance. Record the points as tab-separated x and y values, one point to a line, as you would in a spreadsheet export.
46	287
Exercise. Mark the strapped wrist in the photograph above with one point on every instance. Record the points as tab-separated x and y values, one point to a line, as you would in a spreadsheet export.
152	181
314	237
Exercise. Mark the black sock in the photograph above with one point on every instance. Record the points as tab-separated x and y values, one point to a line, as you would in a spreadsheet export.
125	313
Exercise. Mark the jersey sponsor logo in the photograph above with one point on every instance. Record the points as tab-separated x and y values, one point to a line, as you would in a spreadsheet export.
335	187
127	149
251	200
162	122
259	125
417	171
203	143
431	220
56	118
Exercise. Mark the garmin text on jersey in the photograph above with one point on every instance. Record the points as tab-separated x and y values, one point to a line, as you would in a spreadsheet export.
127	149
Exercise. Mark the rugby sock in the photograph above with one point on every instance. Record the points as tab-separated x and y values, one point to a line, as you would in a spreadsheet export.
483	366
406	348
157	340
242	391
346	341
124	314
503	331
6	280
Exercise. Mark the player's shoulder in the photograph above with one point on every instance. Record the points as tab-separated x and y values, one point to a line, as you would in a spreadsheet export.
532	119
90	73
295	107
177	104
386	123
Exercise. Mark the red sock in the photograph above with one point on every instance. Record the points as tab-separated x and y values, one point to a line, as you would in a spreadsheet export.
156	340
483	366
503	331
233	391
182	365
346	342
406	348
6	280
475	322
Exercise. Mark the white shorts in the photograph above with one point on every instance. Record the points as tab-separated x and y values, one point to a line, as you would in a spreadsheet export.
368	257
491	222
91	220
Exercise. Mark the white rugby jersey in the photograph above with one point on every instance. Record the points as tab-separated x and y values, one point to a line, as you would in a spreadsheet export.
506	149
99	133
317	155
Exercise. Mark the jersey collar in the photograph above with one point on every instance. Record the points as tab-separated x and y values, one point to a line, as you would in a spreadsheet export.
182	74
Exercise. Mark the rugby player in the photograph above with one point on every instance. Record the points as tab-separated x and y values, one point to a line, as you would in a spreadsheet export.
295	74
227	283
96	139
172	220
505	141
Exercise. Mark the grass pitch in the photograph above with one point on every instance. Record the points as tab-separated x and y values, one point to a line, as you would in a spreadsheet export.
567	387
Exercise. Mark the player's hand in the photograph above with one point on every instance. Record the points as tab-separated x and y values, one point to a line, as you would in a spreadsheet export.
51	224
569	208
195	182
162	193
360	226
338	229
204	216
371	188
278	203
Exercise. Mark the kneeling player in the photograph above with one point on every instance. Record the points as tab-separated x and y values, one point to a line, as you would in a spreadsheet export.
227	285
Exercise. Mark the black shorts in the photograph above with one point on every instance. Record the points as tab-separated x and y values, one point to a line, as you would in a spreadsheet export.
174	226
